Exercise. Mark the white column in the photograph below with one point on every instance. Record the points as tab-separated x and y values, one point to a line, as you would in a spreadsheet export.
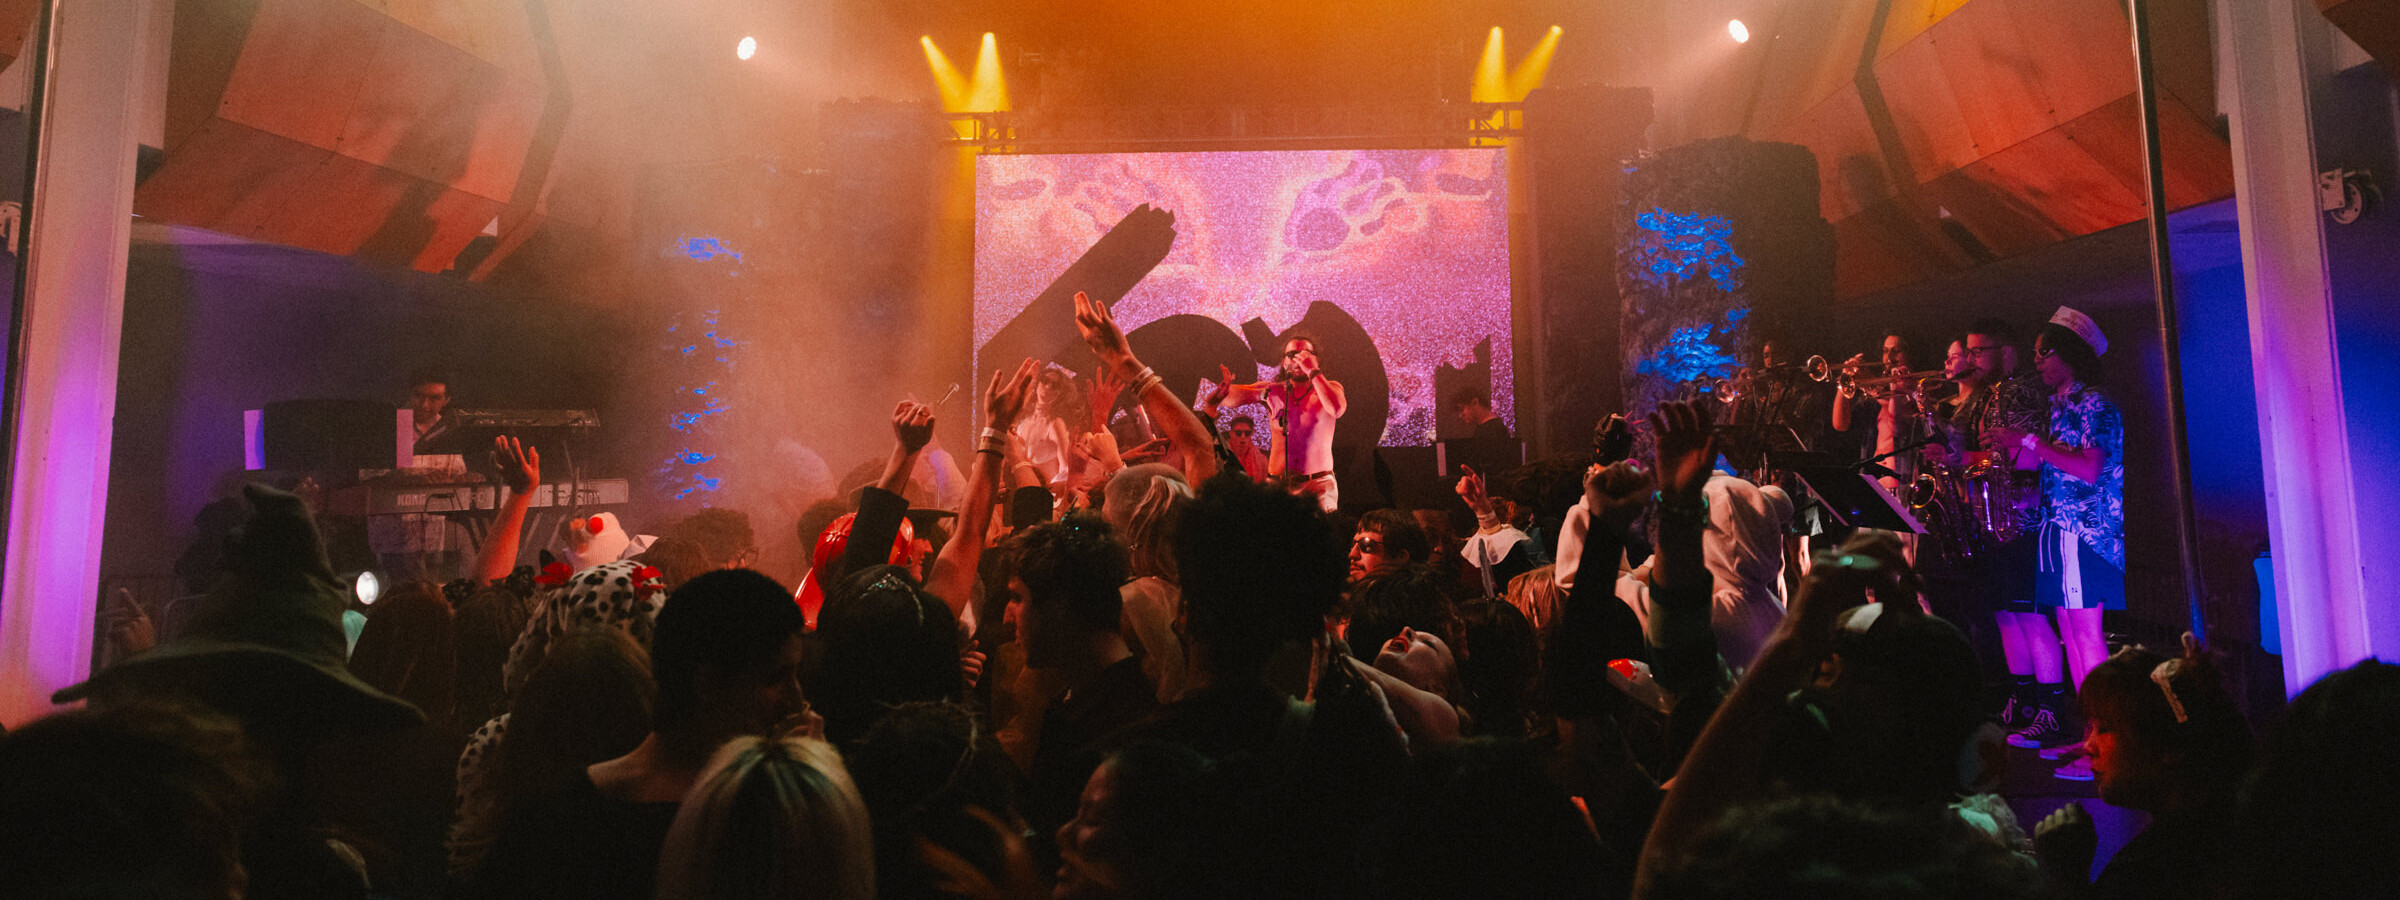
75	304
2275	50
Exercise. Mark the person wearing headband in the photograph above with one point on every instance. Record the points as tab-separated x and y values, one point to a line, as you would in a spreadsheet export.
2167	739
2080	567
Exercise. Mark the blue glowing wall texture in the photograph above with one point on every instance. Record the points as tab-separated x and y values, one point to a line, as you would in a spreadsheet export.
1717	242
1681	267
701	356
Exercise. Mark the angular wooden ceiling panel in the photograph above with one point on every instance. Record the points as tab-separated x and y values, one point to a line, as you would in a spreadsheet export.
228	177
298	42
2013	120
394	130
1910	18
2082	51
1850	173
1985	61
1928	114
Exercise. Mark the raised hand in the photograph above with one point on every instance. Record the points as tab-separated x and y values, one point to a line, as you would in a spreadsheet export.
1106	386
1612	439
1100	332
1008	394
912	424
1687	448
1102	446
1217	395
127	626
520	466
1471	488
1151	450
1616	495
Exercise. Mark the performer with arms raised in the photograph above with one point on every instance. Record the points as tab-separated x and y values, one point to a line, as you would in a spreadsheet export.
1304	405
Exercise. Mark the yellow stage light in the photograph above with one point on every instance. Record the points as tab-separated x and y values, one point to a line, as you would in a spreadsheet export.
953	85
1491	73
1535	66
989	93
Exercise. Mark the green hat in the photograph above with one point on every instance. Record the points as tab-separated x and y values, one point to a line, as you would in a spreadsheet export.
266	641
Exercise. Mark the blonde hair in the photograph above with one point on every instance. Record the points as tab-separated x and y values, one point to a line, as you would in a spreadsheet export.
1144	503
770	818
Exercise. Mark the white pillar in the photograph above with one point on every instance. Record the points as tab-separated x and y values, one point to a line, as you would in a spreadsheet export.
81	222
2276	49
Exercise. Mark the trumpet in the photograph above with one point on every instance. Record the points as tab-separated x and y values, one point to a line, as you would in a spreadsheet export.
1907	383
1821	370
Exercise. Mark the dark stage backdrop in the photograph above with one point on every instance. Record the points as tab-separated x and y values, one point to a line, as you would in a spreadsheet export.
217	327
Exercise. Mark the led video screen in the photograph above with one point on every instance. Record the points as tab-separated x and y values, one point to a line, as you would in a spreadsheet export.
1394	261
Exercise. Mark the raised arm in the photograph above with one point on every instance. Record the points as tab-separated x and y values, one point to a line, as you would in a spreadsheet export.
912	426
1721	771
1683	645
1843	396
1329	392
1176	421
953	577
520	468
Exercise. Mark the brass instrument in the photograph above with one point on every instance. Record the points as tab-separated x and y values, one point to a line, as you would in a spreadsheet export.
1943	499
1907	383
2005	503
1846	377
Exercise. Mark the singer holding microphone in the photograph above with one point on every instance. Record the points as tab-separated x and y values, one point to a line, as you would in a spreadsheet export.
1303	405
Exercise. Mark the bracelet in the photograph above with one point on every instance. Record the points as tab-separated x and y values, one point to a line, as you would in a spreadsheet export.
1144	379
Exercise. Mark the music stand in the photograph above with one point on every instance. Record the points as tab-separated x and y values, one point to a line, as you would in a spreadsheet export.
1857	500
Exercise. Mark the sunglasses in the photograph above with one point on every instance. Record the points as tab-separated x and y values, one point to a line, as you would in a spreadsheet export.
2044	353
1368	546
1243	432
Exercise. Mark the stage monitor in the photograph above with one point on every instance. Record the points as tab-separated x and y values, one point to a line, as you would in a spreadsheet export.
1396	261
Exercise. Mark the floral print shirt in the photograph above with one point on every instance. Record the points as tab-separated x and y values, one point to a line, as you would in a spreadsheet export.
2094	512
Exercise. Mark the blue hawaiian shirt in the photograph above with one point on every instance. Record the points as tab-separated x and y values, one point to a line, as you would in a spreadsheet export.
2094	512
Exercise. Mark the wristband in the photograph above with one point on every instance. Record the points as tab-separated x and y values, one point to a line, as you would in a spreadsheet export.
995	440
1144	379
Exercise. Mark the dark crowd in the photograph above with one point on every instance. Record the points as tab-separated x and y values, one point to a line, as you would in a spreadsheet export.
1164	675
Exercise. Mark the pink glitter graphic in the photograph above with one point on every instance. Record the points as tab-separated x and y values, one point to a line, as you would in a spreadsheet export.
1413	244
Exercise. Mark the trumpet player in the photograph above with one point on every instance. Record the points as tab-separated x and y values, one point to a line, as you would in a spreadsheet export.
1897	417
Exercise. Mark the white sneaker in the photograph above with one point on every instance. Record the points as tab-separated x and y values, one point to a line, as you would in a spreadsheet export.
2077	769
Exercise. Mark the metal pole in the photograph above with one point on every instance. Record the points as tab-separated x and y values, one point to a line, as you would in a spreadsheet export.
2162	274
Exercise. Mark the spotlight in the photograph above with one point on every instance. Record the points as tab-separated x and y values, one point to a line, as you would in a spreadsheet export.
747	48
1740	32
366	588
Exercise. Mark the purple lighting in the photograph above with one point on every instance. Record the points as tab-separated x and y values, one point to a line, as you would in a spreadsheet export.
1411	243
